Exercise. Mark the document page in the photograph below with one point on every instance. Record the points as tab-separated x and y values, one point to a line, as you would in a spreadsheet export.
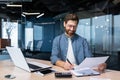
85	68
92	62
99	79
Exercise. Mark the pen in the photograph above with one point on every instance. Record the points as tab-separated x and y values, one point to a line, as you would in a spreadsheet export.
69	61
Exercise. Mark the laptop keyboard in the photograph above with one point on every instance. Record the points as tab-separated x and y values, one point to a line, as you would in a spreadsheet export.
33	66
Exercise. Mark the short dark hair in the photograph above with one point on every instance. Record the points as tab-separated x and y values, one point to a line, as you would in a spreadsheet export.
71	16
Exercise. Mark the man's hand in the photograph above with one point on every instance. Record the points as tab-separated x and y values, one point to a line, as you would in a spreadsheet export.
68	66
102	67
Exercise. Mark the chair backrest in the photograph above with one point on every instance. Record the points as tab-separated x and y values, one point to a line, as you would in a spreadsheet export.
29	45
38	45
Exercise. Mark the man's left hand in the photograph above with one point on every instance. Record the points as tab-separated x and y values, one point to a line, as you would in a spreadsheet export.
102	67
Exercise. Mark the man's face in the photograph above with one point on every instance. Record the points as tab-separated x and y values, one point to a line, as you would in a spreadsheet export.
70	27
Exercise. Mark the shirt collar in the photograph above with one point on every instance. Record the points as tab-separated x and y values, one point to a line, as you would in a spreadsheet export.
73	37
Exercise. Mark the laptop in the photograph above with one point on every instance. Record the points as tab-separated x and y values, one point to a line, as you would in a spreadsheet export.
20	61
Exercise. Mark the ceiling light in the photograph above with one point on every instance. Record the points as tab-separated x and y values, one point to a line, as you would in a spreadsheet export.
96	17
14	5
40	15
26	13
116	1
23	15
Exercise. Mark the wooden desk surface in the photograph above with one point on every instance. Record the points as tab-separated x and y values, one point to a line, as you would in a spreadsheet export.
7	67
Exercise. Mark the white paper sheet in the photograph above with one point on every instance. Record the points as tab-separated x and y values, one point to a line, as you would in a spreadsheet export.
92	62
99	79
85	68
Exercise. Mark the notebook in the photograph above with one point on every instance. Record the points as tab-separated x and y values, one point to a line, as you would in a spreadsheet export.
20	61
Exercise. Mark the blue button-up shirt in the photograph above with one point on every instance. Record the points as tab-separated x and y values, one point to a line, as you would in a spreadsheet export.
60	47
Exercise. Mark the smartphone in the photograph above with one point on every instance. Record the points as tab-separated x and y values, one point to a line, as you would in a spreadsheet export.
47	71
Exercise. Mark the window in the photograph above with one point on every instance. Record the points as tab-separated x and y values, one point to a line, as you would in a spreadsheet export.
10	30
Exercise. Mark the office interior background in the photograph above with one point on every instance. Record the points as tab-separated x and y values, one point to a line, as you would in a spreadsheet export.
33	24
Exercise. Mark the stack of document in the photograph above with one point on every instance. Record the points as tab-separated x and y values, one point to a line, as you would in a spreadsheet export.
99	79
85	68
84	72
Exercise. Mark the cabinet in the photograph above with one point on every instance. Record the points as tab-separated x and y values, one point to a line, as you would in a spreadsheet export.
4	43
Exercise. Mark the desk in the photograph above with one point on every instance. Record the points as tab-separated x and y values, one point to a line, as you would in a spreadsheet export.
7	67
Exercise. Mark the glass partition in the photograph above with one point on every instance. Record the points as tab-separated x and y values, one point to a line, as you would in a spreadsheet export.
84	28
98	32
116	32
102	28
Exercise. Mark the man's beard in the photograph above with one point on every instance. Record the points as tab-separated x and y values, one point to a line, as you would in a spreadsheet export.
70	33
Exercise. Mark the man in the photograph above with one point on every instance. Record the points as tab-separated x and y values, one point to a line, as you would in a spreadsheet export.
65	56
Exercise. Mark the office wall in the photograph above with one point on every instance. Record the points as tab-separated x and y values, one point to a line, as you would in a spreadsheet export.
48	34
50	29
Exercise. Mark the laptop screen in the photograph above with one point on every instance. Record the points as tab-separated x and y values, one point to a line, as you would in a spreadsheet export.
18	58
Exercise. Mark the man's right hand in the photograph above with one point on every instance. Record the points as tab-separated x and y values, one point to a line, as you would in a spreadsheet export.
65	65
68	66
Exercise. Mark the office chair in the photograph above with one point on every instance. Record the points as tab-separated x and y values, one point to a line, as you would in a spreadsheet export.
28	50
37	47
